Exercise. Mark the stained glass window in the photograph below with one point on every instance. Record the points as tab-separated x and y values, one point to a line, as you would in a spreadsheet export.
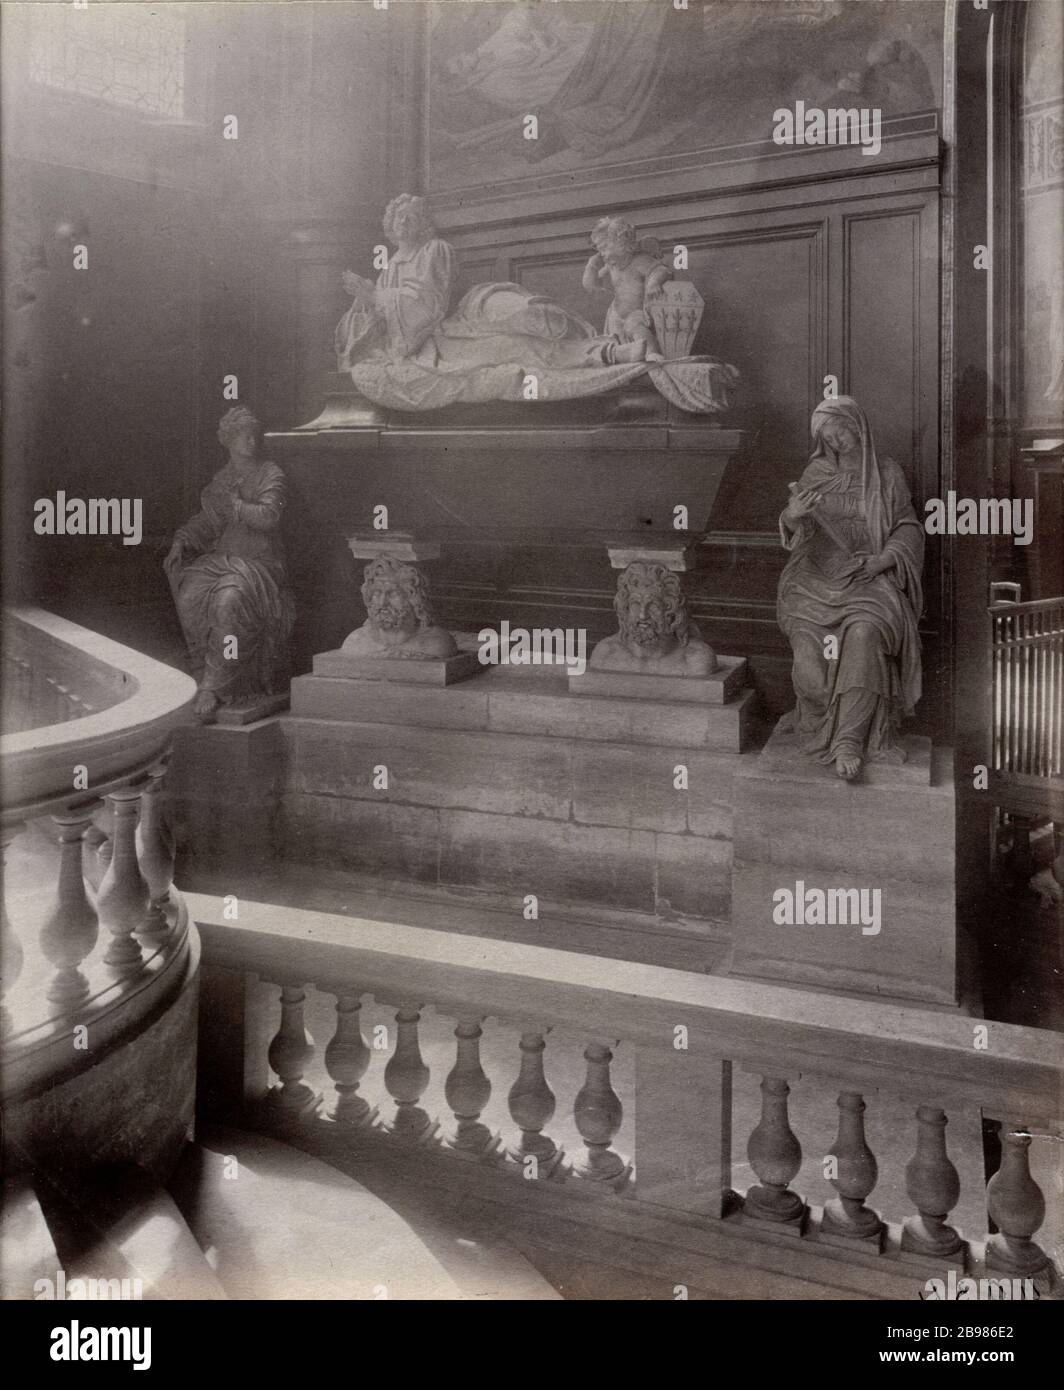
129	55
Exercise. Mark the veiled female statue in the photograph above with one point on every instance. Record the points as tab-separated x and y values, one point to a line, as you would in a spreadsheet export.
233	599
857	549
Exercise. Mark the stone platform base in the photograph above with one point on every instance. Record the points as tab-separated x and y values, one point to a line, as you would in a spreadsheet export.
250	711
717	688
529	700
503	788
781	755
800	828
420	671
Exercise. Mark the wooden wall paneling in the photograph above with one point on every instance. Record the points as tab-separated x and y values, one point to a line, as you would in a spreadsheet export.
838	276
909	142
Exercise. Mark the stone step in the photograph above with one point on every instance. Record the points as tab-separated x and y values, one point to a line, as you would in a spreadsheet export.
498	916
122	1226
671	877
630	787
570	817
529	700
278	1223
27	1251
718	688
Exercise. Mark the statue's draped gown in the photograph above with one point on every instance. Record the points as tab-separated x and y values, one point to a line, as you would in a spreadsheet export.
492	324
852	706
237	587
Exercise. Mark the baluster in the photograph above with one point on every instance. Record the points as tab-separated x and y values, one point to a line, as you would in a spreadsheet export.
934	1186
289	1054
346	1061
69	931
155	852
122	901
1028	676
995	644
1038	681
846	1215
467	1091
1006	694
775	1156
531	1103
598	1113
96	854
405	1078
11	955
1017	1207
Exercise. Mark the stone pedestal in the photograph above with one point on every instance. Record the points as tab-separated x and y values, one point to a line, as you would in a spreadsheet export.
252	710
656	653
424	671
420	653
802	830
718	688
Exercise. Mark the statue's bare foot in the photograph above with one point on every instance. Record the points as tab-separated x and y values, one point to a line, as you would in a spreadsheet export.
848	766
205	706
630	352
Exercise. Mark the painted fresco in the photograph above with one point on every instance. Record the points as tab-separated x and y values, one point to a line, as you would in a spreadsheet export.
616	81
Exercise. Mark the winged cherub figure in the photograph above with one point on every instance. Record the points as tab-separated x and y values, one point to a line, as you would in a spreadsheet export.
634	270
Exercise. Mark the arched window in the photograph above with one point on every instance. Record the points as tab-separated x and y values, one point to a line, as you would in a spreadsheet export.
127	55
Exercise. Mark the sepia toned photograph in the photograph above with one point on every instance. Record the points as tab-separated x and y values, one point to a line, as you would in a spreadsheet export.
532	756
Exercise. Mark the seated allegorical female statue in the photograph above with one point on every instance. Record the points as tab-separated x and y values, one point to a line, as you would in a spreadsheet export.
227	573
854	575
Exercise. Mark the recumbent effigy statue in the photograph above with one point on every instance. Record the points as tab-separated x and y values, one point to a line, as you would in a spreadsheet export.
233	599
854	576
405	350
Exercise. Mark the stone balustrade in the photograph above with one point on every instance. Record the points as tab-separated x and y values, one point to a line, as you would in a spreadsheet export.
681	1168
91	921
94	933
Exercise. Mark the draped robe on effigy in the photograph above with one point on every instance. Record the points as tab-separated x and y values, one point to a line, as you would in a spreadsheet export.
406	353
823	594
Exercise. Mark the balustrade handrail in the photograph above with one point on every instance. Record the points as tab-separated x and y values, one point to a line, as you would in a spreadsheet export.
99	778
114	744
1014	1073
1033	605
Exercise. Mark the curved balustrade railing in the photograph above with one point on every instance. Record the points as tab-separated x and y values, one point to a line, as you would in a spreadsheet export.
94	935
941	1064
